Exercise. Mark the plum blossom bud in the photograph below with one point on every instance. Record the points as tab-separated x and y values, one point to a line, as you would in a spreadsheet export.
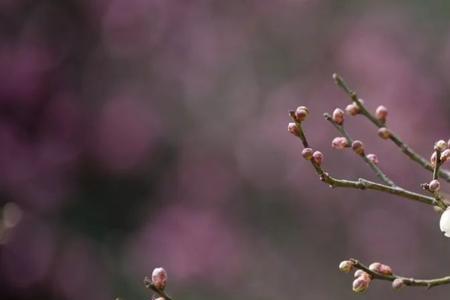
307	153
380	268
346	266
373	158
433	159
440	145
339	143
159	278
434	185
361	284
398	283
384	133
293	128
301	113
360	273
338	116
445	155
358	147
381	113
317	157
444	223
352	109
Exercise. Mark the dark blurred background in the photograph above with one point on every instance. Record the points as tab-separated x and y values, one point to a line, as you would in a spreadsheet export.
145	133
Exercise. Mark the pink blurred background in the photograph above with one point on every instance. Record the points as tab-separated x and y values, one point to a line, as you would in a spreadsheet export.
145	133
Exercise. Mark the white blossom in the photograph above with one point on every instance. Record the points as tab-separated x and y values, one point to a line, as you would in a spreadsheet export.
445	222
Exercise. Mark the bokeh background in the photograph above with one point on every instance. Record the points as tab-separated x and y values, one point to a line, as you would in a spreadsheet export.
144	133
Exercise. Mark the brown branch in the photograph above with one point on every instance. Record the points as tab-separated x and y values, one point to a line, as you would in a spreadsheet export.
445	174
371	164
429	283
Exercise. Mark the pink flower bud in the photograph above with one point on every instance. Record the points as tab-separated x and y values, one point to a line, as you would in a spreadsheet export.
440	145
159	278
398	283
346	266
445	155
361	284
317	157
293	128
380	268
301	113
307	153
360	273
433	159
384	133
339	143
358	147
381	113
352	109
373	158
338	116
434	185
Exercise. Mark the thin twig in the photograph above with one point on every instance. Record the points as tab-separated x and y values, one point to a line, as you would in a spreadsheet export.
429	283
371	164
445	174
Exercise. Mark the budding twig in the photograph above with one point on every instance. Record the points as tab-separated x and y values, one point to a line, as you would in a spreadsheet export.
371	164
429	283
445	174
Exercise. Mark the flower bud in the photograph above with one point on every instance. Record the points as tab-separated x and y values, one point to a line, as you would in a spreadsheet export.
384	133
373	158
381	113
352	109
380	268
339	143
293	128
338	116
444	222
433	159
301	113
434	185
346	266
361	273
159	278
445	155
375	267
361	284
398	283
307	153
358	147
317	157
440	145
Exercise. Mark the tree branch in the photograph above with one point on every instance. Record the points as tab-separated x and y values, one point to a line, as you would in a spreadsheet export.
445	174
371	164
429	283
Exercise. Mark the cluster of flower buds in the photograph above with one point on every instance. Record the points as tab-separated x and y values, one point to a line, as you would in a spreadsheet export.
315	156
444	149
381	113
338	116
340	143
358	147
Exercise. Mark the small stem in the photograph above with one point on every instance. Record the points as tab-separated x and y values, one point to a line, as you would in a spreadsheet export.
429	283
445	174
371	164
